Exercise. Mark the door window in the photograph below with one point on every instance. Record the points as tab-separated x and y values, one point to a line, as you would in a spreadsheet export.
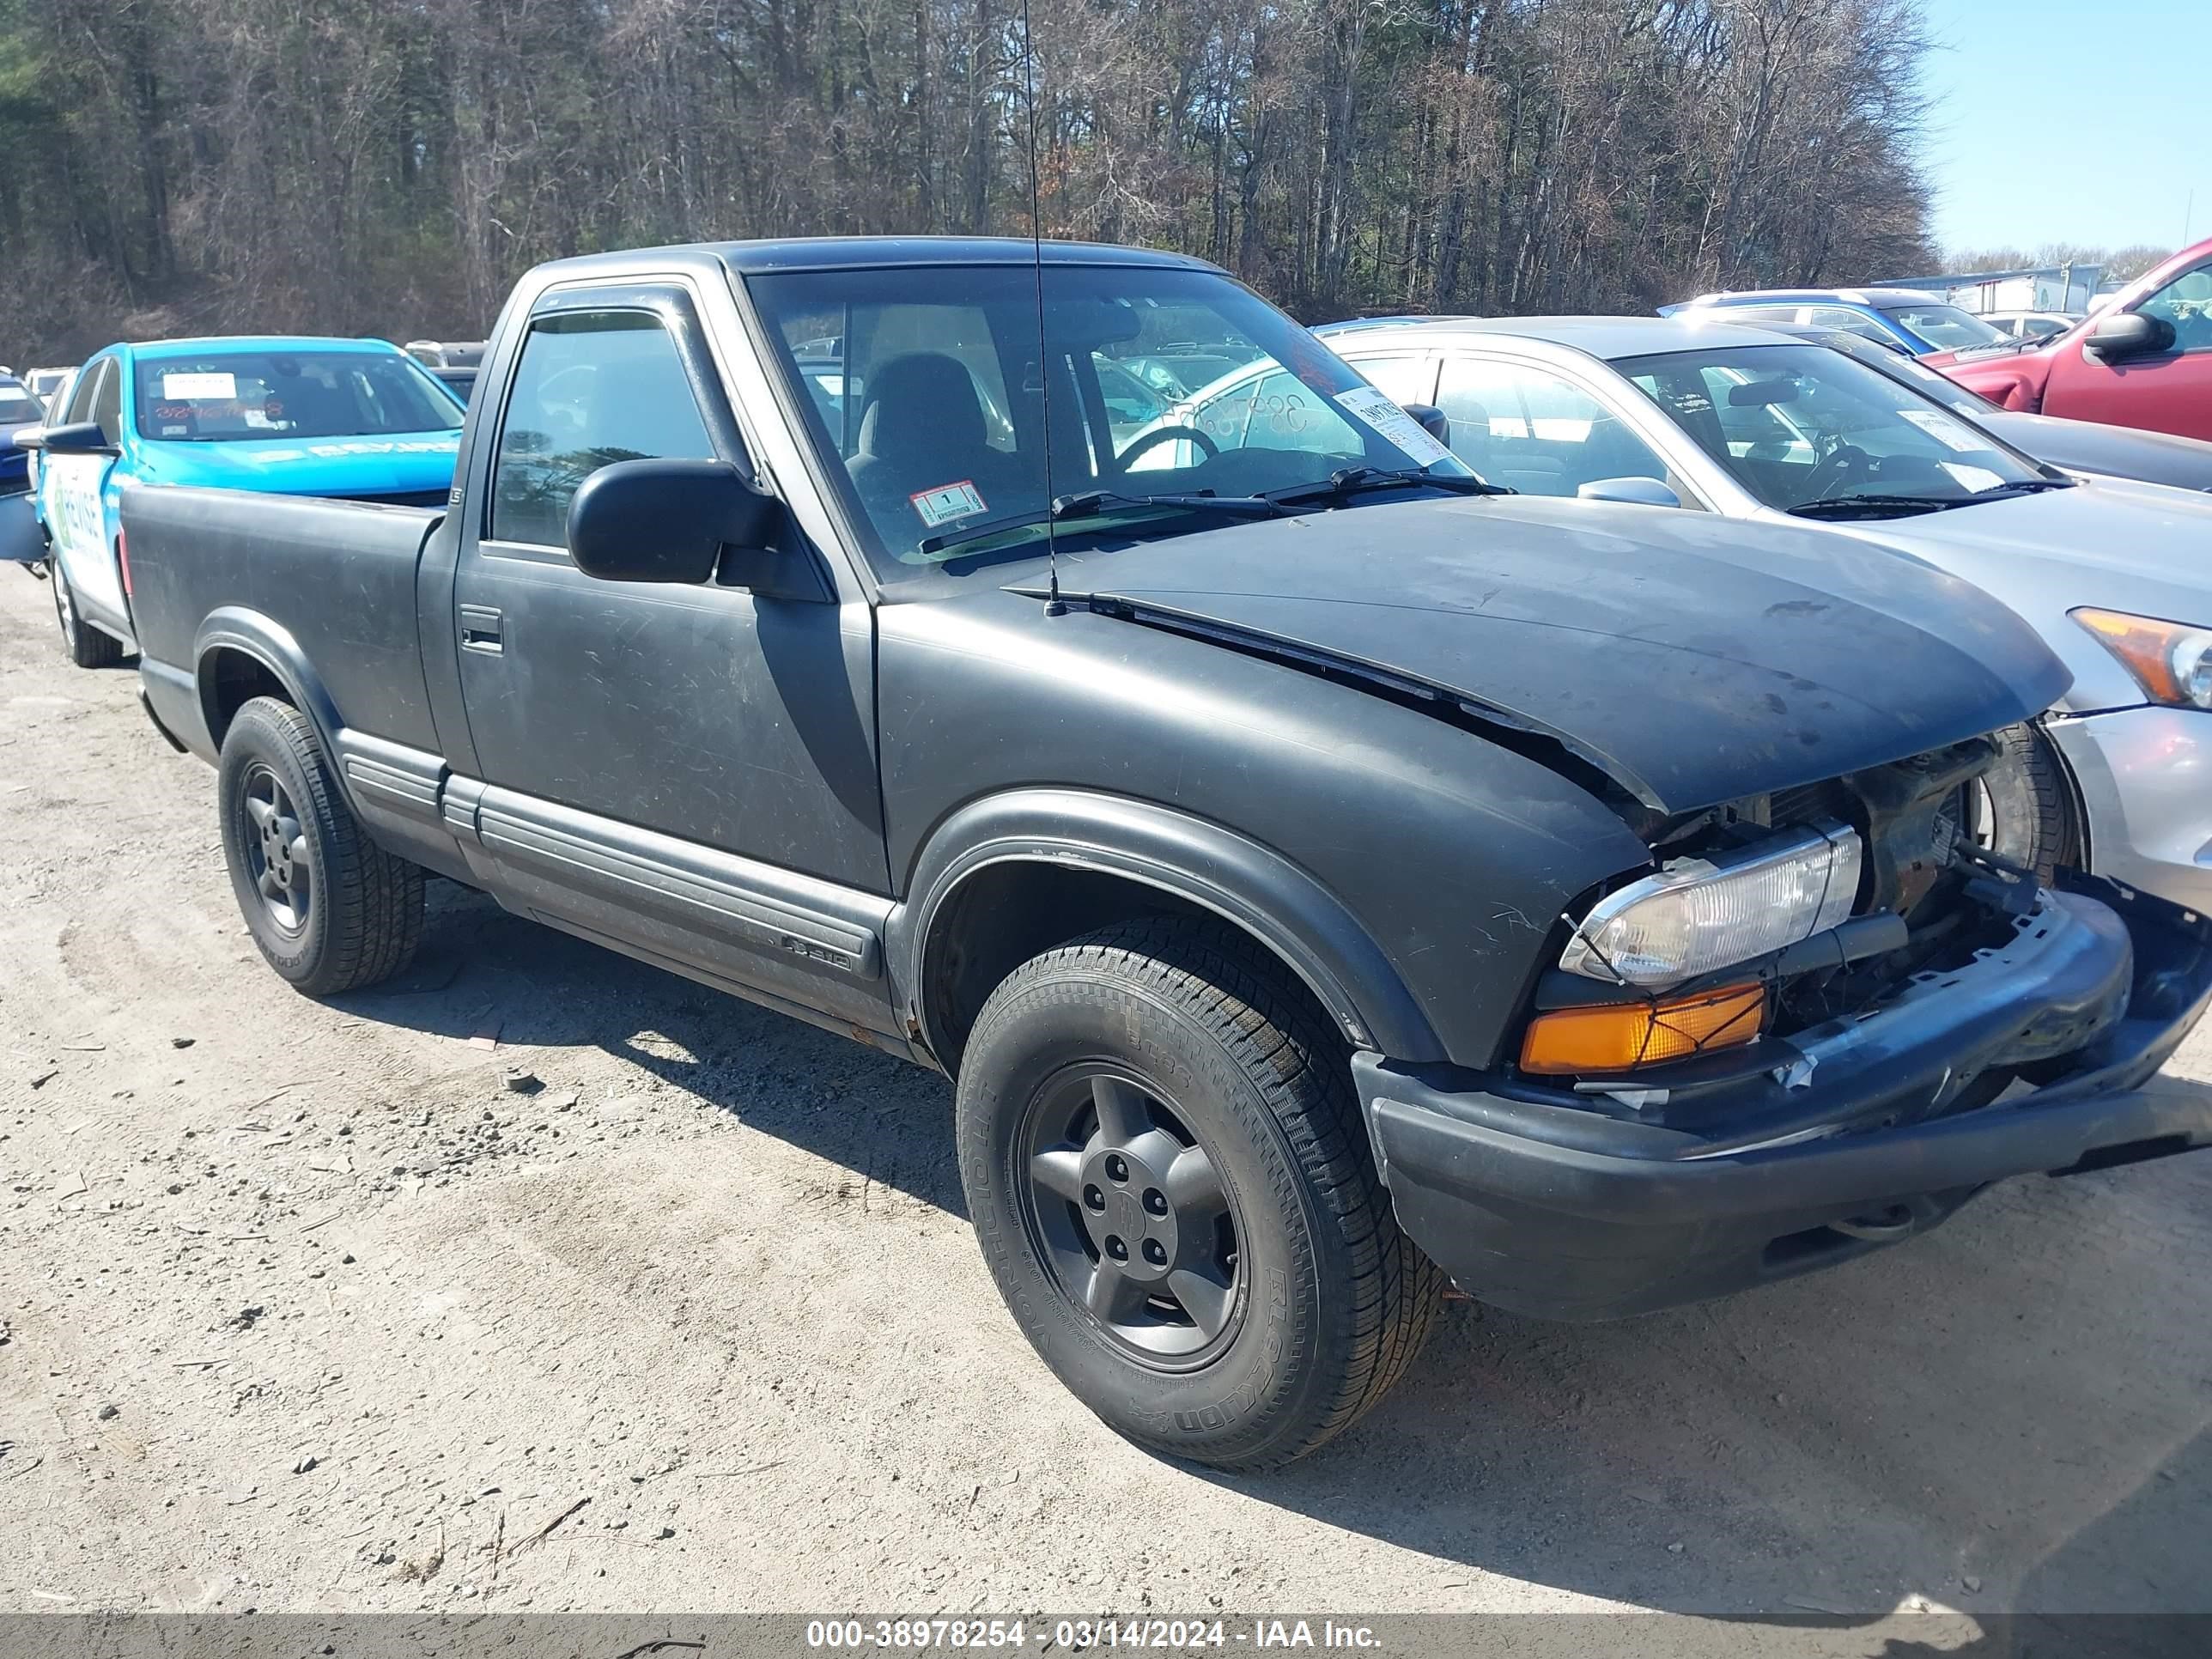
1405	379
88	383
107	404
1535	432
2185	302
1851	321
592	388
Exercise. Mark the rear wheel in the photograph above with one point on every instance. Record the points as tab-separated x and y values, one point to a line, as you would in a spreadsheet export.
86	646
330	910
1164	1156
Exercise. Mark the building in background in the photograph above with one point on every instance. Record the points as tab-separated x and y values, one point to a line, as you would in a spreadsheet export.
2068	288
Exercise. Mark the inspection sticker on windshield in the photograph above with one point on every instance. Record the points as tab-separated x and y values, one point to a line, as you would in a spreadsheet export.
1365	404
178	387
1952	435
947	502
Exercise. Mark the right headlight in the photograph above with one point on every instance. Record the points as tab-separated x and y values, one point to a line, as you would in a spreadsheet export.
1698	915
2171	661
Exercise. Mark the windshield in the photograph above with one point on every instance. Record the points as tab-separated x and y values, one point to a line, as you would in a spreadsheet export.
1797	425
17	406
925	389
1946	327
225	397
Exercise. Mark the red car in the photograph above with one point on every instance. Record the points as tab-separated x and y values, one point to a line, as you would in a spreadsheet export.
2145	360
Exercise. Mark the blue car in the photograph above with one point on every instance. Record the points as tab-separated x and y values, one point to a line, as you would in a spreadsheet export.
1902	319
355	419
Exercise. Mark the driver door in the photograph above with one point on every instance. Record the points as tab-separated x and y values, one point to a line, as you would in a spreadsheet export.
2168	392
686	770
72	491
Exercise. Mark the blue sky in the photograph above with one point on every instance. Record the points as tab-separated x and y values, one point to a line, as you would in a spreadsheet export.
2057	121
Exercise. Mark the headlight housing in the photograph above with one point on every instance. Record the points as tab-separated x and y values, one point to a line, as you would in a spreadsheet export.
2171	661
1698	915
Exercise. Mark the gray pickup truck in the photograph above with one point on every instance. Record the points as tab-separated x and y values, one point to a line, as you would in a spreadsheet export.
1321	873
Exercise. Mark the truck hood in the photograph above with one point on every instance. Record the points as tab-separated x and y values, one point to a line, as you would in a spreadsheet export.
1692	659
2106	542
400	464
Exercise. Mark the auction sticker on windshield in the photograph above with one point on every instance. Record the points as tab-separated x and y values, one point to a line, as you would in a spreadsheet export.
1364	402
179	386
947	502
1952	435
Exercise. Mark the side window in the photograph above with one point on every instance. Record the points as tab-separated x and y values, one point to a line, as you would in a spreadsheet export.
1851	322
2186	302
1522	427
107	404
89	382
1404	380
1757	314
592	388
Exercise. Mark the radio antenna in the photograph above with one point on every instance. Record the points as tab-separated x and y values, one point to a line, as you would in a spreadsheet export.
1054	607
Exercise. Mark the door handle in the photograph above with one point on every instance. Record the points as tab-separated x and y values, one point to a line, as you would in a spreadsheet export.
482	630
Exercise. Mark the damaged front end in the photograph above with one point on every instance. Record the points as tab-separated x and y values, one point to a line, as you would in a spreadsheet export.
1891	1019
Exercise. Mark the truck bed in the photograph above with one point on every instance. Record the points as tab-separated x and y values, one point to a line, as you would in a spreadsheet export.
338	577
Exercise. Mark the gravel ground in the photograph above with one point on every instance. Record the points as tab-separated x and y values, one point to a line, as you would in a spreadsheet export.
305	1308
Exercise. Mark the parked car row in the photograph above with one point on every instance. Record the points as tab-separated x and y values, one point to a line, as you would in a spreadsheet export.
1606	812
2142	358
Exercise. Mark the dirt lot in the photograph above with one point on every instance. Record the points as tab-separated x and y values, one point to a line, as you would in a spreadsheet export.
304	1309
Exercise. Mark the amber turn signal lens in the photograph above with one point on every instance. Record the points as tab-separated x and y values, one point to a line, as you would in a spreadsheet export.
1618	1036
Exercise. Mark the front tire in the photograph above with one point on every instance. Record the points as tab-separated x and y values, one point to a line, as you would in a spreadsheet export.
2024	812
1164	1156
330	910
86	646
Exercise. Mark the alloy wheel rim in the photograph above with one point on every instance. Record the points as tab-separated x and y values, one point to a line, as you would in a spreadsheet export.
1130	1217
275	845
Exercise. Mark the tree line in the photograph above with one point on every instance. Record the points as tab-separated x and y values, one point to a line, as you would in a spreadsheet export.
387	167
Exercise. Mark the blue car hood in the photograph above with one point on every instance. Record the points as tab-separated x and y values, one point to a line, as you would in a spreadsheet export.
401	464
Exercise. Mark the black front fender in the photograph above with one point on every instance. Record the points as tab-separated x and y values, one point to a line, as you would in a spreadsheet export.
1214	868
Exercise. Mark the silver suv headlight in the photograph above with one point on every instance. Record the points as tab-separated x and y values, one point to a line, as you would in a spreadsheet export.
1697	914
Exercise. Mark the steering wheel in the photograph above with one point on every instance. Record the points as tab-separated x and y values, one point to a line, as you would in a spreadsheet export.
1840	465
1151	440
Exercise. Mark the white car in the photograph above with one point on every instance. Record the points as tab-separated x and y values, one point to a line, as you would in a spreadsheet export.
2031	324
1702	416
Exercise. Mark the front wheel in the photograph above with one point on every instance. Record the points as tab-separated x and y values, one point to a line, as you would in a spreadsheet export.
330	910
1163	1154
2021	809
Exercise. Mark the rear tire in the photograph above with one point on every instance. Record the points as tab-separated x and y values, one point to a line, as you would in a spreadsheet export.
86	646
1160	1093
2029	808
330	910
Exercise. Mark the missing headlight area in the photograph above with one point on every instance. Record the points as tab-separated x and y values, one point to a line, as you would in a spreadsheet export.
1882	864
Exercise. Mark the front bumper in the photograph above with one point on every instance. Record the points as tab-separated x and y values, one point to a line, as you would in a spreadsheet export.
2145	777
1538	1203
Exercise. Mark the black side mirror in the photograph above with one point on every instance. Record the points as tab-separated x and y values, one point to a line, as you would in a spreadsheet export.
2130	334
660	520
78	438
1432	420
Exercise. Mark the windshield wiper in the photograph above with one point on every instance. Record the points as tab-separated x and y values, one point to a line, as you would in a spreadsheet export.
1351	480
1094	503
1838	507
2022	487
1089	503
